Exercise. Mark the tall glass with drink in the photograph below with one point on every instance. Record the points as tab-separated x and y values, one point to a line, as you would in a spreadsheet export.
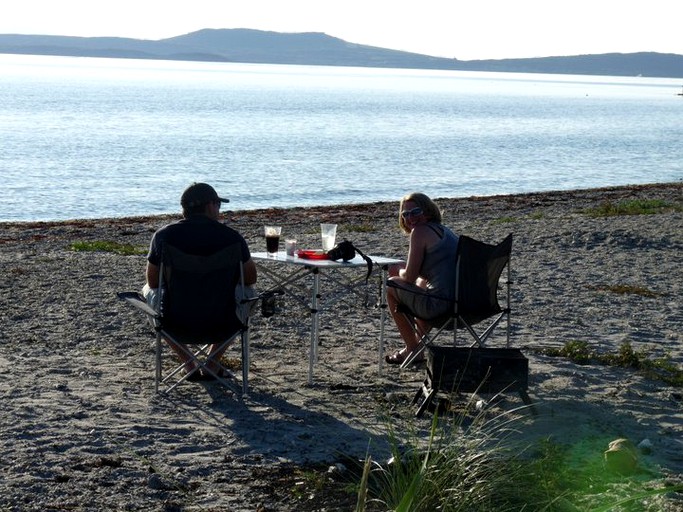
272	234
329	234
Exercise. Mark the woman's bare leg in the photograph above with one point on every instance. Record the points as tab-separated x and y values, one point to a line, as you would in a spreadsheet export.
403	323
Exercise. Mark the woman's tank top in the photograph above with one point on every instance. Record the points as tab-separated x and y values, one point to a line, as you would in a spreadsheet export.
438	266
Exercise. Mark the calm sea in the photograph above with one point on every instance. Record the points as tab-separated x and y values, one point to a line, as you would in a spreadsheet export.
89	138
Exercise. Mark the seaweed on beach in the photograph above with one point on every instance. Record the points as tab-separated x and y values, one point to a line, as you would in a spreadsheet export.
632	207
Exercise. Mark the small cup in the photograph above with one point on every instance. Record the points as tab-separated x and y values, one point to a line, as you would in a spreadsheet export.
272	234
290	247
329	234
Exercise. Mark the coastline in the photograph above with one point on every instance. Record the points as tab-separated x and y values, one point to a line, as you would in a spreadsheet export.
82	428
610	193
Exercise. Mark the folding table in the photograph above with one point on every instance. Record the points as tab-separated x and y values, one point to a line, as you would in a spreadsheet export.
298	269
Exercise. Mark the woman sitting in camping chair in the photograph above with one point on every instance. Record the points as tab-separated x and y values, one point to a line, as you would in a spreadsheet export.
430	267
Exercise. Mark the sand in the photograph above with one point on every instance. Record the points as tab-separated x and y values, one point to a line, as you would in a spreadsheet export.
82	428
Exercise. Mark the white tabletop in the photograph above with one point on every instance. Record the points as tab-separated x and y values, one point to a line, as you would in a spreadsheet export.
358	261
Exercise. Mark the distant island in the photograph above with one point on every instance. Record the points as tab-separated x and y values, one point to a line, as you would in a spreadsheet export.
314	48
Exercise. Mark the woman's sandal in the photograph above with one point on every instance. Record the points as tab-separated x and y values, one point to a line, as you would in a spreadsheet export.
194	376
220	373
399	358
395	358
203	376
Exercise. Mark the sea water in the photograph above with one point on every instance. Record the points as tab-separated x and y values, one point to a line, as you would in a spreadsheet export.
91	138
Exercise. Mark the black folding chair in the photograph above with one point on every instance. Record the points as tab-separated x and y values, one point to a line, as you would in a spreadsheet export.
198	309
479	267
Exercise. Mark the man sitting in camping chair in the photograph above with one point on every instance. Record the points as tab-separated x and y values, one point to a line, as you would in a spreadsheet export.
199	233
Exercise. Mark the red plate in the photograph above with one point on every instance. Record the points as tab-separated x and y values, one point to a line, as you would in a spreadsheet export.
309	254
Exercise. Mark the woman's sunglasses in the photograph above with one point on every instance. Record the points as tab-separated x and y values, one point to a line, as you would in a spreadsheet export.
411	213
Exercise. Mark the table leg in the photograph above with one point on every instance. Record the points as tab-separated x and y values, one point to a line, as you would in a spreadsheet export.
315	324
382	314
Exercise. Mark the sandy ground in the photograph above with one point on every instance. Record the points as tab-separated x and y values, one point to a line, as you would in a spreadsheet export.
82	428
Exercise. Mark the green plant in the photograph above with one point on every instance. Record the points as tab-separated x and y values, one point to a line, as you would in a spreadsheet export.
361	228
660	368
578	352
631	207
307	481
665	370
462	466
106	246
626	289
480	468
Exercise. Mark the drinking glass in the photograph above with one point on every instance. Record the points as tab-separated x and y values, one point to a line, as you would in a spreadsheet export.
290	247
272	234
329	233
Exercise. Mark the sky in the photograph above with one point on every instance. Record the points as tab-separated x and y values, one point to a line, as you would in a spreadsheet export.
466	30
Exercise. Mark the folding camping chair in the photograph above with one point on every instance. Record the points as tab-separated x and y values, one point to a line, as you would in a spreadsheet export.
479	267
198	310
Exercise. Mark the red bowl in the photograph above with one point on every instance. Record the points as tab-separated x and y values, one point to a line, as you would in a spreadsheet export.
310	254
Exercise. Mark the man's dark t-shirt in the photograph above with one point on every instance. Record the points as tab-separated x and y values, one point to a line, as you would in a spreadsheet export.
198	235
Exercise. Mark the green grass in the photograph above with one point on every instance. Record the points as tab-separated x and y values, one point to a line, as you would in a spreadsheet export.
106	246
632	207
308	482
655	368
478	466
578	352
626	289
361	228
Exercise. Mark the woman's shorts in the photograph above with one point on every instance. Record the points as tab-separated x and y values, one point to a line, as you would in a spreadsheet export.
423	306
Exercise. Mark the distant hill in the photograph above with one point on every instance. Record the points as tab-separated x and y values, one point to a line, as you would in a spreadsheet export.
314	48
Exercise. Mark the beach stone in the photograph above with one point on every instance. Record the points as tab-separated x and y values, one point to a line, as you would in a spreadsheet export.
337	468
645	446
154	481
621	456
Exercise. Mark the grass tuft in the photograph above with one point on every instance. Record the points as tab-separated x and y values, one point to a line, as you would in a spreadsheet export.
626	289
476	465
632	207
361	228
106	246
655	368
578	352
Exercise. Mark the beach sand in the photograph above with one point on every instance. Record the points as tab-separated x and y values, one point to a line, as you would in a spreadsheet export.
82	429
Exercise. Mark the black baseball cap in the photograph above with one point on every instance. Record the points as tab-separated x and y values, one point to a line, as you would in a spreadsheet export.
199	194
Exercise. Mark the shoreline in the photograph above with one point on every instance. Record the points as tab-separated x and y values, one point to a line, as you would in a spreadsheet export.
81	427
555	194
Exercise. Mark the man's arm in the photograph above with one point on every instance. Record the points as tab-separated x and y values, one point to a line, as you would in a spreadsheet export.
152	275
249	268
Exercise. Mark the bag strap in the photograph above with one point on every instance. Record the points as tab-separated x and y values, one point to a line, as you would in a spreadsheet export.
367	260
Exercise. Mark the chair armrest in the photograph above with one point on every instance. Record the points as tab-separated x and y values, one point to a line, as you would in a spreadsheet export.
400	285
263	295
138	301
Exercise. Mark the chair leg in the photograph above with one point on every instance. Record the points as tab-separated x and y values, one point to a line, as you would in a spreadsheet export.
200	358
157	369
245	361
428	396
527	401
418	394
